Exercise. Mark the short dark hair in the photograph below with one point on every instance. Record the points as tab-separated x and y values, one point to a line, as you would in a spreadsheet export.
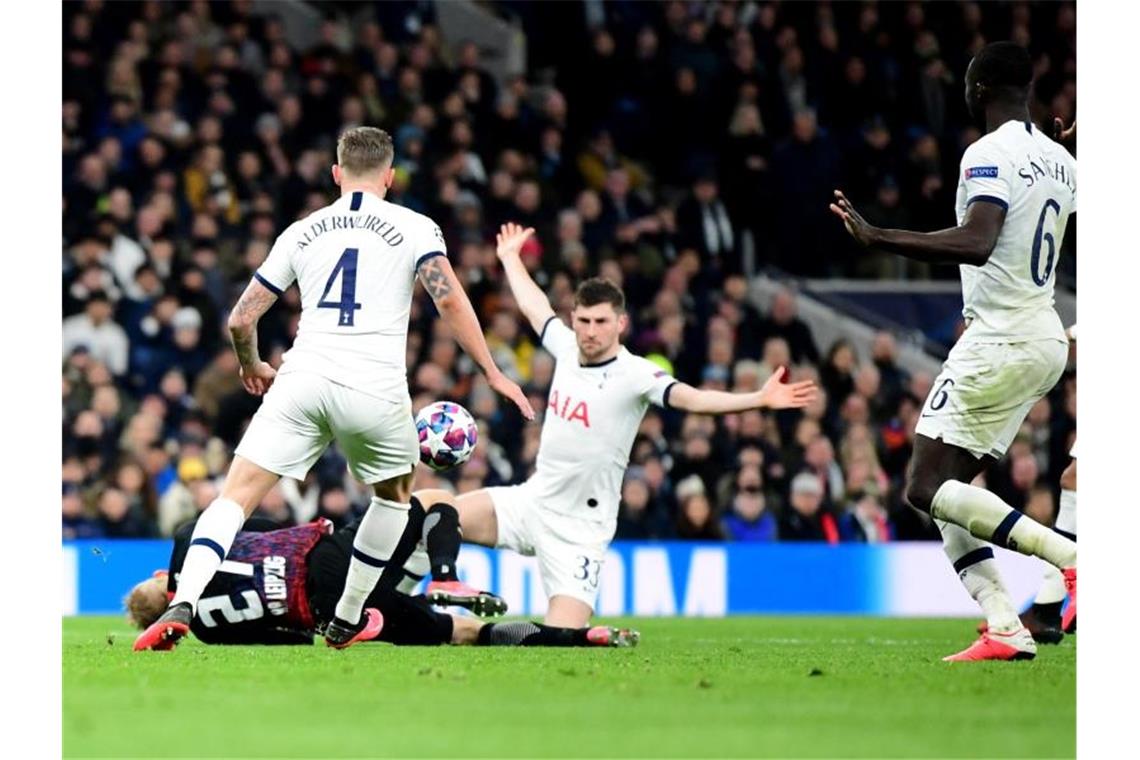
1003	64
598	290
361	150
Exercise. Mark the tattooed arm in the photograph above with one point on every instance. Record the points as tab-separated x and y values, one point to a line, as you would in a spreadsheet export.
256	375
443	286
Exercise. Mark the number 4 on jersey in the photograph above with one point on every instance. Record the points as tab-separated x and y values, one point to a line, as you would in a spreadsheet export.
347	303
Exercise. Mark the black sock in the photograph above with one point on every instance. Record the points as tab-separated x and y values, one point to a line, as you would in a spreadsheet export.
350	626
1049	613
442	535
527	634
394	570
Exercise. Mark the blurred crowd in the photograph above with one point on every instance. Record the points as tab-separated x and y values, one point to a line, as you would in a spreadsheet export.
652	143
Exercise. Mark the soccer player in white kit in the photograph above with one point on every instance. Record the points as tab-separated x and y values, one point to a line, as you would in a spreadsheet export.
566	513
1016	190
355	263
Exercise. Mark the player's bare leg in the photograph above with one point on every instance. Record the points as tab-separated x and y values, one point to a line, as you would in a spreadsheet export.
934	463
567	612
246	485
377	539
936	489
442	535
477	518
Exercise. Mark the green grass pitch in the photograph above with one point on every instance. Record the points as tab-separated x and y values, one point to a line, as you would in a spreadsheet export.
736	687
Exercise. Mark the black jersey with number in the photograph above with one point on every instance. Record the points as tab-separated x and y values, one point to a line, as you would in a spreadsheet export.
275	584
258	595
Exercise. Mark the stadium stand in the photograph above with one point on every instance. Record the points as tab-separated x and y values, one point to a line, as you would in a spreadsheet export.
681	149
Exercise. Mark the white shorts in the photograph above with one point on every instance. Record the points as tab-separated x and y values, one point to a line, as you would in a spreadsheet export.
570	550
303	412
985	390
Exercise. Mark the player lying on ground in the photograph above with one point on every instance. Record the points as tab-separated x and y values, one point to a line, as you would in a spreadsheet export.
355	262
566	513
280	586
1016	190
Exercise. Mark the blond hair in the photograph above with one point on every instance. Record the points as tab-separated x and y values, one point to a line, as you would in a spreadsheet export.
146	602
364	150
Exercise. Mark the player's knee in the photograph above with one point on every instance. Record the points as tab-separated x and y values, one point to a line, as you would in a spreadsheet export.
1069	477
247	484
477	518
398	489
428	497
920	493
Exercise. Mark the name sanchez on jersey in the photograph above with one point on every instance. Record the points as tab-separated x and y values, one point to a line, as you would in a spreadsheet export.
1036	168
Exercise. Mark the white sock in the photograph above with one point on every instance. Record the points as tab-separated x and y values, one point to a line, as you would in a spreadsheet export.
376	539
1052	588
209	544
989	518
1066	521
973	560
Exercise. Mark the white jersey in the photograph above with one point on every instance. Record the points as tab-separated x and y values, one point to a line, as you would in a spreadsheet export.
1010	297
592	416
355	263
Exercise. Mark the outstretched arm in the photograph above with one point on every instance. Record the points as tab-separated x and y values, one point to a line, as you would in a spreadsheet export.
774	395
455	307
531	300
256	375
970	243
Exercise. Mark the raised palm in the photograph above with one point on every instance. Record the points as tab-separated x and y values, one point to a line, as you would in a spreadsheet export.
510	240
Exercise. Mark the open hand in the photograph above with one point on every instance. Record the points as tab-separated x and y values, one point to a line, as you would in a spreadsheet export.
510	239
257	378
504	386
863	233
1067	137
779	395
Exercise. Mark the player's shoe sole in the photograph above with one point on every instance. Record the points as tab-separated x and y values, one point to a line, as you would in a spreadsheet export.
338	637
608	636
1069	619
1018	645
482	603
164	634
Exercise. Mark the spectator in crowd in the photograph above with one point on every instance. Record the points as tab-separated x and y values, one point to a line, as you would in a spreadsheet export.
806	520
749	519
703	224
117	519
77	523
95	330
695	518
782	322
865	519
639	515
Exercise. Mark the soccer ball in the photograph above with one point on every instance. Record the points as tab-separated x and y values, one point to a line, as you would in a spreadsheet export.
447	435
